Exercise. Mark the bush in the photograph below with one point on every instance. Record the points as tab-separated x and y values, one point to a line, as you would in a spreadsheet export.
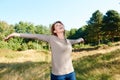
14	44
3	44
33	45
23	47
77	46
109	44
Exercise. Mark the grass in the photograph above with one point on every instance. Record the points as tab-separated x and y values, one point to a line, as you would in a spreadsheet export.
24	71
24	65
35	65
98	66
8	56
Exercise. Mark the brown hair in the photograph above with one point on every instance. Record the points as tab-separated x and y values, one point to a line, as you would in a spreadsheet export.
53	27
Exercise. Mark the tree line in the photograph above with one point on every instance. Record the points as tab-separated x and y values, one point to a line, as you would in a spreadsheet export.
100	29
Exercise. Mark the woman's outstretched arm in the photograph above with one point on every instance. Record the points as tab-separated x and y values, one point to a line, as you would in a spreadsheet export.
27	35
12	35
79	40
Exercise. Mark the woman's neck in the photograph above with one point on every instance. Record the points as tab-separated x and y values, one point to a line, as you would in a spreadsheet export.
61	35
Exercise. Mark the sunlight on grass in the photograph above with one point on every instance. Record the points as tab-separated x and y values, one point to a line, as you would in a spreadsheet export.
25	71
9	56
35	65
98	67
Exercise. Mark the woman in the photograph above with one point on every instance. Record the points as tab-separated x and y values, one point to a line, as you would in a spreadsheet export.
62	68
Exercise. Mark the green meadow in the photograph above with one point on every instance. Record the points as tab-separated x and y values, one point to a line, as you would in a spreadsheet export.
36	64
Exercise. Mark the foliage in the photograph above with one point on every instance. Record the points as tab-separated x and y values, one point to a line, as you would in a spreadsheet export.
99	29
111	24
21	43
94	27
72	33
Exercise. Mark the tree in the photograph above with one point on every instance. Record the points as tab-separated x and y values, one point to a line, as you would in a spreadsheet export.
67	33
5	29
94	27
111	24
40	29
81	32
24	27
72	33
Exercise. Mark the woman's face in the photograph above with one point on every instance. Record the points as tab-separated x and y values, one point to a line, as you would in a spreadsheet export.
59	28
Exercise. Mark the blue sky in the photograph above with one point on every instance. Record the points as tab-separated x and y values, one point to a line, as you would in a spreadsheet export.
73	13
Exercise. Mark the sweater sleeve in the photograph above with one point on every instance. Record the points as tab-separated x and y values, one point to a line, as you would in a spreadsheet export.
76	40
42	37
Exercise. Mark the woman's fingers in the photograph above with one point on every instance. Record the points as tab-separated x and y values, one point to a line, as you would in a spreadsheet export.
82	40
8	37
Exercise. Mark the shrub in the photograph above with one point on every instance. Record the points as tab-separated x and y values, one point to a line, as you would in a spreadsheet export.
109	44
14	44
23	47
33	45
3	44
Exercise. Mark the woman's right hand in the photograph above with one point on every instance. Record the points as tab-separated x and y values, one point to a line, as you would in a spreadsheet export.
10	36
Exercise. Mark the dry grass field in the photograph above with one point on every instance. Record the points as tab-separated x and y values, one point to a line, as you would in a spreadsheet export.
93	63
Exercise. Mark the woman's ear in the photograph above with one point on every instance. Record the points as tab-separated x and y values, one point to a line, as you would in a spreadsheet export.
54	31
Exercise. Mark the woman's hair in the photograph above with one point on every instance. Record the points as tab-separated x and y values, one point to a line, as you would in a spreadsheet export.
53	27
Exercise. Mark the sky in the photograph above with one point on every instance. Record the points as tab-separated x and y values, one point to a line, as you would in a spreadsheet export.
73	13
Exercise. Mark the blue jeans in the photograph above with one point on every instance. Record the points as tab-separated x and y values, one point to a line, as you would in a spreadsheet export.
70	76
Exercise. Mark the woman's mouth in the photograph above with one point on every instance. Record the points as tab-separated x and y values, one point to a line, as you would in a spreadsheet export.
61	28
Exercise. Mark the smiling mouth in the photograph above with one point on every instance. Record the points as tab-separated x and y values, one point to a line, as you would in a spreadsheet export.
61	28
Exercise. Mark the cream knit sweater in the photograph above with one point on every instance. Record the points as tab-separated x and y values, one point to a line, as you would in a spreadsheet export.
61	52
